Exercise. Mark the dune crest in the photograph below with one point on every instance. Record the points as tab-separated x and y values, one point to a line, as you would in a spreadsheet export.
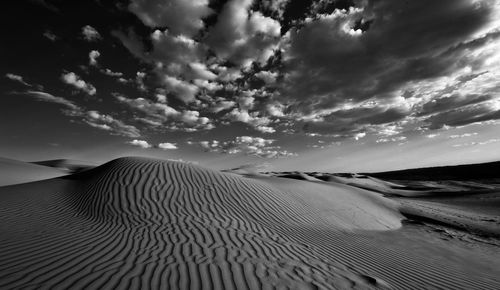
137	223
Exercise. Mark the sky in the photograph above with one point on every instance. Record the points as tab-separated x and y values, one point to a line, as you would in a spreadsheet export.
312	85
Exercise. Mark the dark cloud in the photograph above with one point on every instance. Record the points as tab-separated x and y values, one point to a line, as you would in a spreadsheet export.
463	116
451	102
355	120
331	62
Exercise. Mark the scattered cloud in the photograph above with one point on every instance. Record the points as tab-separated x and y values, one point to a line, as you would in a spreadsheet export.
90	34
140	143
479	143
167	146
50	35
111	73
158	113
267	77
93	55
74	80
180	16
46	97
248	145
465	135
92	118
17	78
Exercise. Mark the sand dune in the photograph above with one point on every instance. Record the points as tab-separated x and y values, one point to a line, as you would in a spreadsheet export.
15	172
137	223
69	165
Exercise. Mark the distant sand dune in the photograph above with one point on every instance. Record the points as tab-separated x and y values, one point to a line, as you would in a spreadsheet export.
137	223
15	172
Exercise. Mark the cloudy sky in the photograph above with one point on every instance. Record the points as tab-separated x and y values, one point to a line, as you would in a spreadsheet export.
331	85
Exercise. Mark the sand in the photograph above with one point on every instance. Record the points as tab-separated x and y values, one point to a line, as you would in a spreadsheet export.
137	223
69	165
16	172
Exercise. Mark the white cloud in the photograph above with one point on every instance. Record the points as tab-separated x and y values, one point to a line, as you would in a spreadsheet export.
358	136
50	35
107	122
17	78
71	78
167	146
265	129
180	16
139	79
242	36
90	33
275	110
184	91
46	97
159	113
222	105
140	143
465	135
246	101
392	139
267	77
111	73
201	71
92	118
93	55
248	145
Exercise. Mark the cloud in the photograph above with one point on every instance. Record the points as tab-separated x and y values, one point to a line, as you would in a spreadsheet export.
140	143
222	105
71	78
464	116
46	97
90	34
93	55
159	113
167	146
184	91
247	145
489	141
92	118
344	68
451	102
352	120
139	80
179	16
50	35
243	36
17	78
392	139
267	77
108	123
465	135
330	62
111	73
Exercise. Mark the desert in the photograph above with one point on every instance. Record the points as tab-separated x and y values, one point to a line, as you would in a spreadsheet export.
139	223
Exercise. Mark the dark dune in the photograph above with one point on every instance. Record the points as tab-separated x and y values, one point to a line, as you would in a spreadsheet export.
16	172
480	171
72	166
136	223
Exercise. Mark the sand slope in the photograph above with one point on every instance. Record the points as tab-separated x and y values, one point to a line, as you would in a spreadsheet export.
137	223
70	165
15	172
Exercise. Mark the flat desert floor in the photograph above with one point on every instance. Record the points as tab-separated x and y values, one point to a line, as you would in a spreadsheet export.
136	223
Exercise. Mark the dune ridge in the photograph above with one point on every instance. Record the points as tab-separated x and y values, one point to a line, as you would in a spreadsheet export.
150	224
16	172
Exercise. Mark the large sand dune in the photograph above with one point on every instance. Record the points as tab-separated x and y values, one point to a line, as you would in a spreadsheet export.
138	223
